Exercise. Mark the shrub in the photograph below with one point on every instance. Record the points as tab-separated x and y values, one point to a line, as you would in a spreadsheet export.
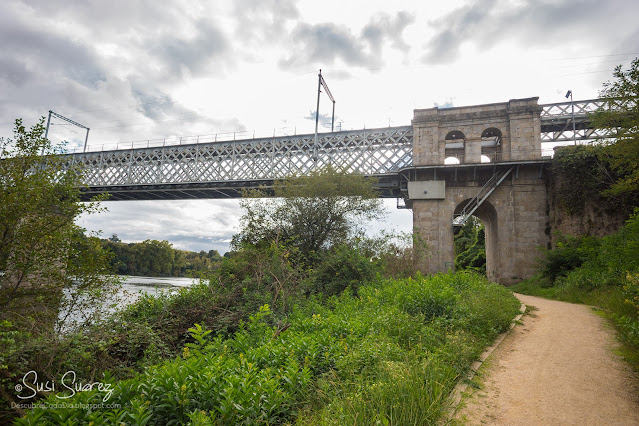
569	254
340	268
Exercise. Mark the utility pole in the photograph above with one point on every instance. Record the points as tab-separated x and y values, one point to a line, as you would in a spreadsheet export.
68	120
574	131
322	83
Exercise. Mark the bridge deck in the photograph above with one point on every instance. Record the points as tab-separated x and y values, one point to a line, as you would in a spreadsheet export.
220	169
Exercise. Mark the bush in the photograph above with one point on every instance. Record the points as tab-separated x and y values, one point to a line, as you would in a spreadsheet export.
340	268
569	254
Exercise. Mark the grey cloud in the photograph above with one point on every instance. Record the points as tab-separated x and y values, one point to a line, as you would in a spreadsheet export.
263	20
190	225
101	56
447	104
531	23
195	243
325	120
630	43
112	20
388	27
34	49
326	43
153	103
15	73
166	33
456	28
195	54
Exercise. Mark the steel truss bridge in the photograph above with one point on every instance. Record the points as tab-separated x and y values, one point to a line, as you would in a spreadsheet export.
221	169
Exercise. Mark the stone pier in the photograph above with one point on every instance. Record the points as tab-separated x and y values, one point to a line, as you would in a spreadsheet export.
456	151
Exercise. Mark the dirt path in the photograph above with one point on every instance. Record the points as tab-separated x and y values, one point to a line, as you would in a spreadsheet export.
558	368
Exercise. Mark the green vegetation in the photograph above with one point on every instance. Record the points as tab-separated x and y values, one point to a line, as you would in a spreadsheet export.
621	117
605	174
41	249
470	246
158	259
390	355
584	175
52	275
311	213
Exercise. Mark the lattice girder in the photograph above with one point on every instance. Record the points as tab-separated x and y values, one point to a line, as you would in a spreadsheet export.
369	152
378	152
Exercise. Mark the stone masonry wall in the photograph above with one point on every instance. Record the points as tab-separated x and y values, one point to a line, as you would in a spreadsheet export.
515	214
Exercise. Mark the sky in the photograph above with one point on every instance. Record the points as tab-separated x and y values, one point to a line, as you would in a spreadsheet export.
138	70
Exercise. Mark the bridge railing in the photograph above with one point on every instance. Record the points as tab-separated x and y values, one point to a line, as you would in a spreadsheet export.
564	109
585	107
171	141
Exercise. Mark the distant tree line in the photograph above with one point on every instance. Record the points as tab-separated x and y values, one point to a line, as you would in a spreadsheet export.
158	259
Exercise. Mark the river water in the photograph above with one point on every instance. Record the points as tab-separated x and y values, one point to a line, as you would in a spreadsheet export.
132	288
153	285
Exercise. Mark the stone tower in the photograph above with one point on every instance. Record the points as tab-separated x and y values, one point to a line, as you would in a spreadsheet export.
486	157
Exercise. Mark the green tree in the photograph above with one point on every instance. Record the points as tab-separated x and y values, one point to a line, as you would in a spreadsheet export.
158	256
52	276
43	254
312	213
620	116
214	255
470	246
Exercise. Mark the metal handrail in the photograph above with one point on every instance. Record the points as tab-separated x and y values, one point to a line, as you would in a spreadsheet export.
481	196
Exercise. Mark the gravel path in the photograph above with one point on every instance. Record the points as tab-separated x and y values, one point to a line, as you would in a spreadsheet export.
558	368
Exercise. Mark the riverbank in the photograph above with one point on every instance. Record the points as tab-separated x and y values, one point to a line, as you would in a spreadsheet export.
389	355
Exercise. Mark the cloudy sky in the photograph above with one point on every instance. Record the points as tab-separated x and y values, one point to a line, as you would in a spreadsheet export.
139	69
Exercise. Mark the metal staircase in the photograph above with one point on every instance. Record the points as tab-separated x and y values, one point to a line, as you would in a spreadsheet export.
481	196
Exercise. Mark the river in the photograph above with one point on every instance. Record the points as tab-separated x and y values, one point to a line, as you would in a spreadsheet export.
152	285
131	289
133	286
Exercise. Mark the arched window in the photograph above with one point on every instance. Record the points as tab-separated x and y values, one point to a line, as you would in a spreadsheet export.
491	145
454	147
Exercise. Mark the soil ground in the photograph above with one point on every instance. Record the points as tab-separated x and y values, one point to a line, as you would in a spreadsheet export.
556	368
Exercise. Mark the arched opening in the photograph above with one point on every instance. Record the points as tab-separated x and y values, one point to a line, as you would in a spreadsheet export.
454	146
452	160
491	145
486	221
470	246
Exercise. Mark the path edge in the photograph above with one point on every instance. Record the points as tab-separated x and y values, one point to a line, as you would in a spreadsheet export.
456	395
